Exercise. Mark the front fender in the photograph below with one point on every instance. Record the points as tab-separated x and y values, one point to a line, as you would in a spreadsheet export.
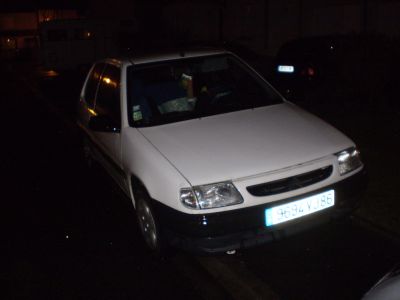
146	163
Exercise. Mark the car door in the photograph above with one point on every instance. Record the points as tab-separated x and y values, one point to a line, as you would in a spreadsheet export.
108	106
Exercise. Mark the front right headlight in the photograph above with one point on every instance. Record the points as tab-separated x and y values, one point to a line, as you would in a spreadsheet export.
211	196
348	160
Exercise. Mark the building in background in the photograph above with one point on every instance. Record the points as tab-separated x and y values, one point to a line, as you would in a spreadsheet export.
261	25
290	19
19	30
264	25
115	9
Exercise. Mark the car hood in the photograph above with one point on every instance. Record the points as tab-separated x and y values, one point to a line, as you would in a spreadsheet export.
245	143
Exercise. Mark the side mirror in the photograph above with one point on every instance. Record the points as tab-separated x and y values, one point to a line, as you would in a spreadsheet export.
103	124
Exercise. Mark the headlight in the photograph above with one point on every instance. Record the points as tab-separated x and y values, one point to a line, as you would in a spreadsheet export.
348	160
211	196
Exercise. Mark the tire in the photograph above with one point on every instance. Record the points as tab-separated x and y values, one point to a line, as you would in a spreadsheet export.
87	153
148	225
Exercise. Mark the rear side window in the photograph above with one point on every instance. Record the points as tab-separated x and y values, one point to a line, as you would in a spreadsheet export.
92	84
108	95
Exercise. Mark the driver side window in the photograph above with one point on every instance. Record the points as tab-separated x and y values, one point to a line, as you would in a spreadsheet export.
108	94
92	85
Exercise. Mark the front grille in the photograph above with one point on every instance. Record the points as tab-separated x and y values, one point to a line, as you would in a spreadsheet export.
290	183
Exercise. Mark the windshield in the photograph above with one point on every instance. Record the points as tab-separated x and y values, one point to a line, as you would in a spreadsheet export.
172	91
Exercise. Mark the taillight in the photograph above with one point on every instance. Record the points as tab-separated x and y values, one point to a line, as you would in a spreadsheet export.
309	71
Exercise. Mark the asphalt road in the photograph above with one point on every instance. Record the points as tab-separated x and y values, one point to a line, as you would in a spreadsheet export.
70	234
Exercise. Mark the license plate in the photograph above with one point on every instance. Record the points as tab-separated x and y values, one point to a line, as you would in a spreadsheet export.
285	69
299	208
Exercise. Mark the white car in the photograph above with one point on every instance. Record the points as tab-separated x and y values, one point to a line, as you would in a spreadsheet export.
213	158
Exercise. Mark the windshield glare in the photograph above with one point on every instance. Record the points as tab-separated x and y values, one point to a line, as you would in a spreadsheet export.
173	91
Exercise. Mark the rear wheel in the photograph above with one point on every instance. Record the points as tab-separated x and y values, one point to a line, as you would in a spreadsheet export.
87	153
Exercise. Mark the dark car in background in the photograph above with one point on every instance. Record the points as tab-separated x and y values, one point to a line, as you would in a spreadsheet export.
332	68
260	62
303	63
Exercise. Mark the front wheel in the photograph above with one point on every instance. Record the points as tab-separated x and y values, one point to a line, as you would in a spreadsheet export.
148	224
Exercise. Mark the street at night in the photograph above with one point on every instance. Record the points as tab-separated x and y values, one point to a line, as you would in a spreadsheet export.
74	235
70	231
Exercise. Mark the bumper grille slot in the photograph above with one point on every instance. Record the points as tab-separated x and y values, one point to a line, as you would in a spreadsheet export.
290	183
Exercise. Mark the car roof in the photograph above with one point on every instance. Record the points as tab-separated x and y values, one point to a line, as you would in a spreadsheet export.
150	57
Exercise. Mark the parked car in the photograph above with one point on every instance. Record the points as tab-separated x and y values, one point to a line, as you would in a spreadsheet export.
262	63
212	157
304	63
358	63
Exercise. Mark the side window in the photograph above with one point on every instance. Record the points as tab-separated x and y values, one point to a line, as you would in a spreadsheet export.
92	84
108	95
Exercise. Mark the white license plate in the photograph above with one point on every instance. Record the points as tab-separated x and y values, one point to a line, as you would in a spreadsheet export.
299	208
285	69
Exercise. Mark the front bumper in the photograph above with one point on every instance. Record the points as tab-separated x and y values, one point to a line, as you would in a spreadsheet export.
243	228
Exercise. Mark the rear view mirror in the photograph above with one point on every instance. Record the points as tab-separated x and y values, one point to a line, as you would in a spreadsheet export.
103	124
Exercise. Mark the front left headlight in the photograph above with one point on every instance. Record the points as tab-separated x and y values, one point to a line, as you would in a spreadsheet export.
348	160
211	196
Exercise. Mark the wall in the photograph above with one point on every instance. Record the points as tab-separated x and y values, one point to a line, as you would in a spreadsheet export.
289	19
283	23
332	19
122	9
387	18
244	21
18	21
197	22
